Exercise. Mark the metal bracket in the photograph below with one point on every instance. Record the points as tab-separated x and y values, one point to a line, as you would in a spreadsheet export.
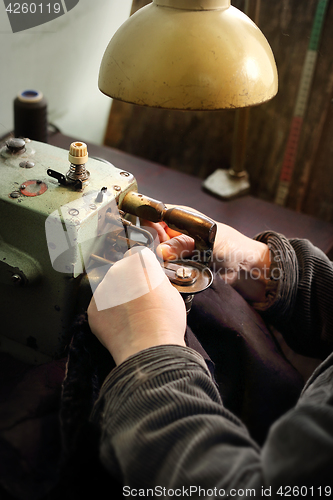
61	178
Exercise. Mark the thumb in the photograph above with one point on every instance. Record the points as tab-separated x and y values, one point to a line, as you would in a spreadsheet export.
176	248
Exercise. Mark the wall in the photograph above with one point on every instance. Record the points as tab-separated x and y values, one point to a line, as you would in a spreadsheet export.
200	142
61	59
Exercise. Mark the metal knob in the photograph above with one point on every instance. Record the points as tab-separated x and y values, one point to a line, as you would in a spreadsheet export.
15	145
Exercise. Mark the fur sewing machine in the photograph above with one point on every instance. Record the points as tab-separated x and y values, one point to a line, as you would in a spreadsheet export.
65	219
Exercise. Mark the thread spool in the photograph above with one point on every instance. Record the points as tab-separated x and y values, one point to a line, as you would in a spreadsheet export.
30	115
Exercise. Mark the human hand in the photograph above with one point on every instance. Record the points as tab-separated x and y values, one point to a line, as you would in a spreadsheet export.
136	307
240	261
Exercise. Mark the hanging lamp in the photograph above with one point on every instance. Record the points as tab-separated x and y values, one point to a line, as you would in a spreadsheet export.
189	55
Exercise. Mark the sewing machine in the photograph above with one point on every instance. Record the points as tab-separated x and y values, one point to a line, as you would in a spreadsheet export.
66	218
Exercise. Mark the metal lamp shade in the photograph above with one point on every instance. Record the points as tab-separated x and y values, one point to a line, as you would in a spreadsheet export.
190	55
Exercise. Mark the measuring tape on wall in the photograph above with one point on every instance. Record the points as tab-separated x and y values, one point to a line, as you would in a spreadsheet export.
308	70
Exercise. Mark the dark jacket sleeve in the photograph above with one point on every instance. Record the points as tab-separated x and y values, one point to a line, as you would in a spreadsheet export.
299	295
164	425
164	428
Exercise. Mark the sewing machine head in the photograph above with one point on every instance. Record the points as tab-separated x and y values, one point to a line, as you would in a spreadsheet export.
66	218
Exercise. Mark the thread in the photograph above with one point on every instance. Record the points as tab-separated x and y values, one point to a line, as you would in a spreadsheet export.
30	116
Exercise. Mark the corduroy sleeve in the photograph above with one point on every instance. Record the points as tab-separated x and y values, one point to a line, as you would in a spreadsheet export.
163	424
166	433
299	295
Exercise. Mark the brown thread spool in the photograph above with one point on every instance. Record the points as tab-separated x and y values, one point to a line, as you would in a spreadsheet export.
30	116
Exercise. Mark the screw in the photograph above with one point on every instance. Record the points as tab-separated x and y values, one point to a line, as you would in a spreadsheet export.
117	188
183	272
16	278
23	186
73	211
125	174
27	164
15	194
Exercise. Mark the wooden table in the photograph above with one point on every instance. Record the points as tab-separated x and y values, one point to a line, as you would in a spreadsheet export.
247	214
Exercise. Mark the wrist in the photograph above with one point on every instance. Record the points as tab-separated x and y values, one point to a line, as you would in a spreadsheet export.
121	356
147	326
151	337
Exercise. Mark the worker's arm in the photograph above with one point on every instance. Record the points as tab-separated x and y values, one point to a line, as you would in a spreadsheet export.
164	428
299	295
163	422
289	281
